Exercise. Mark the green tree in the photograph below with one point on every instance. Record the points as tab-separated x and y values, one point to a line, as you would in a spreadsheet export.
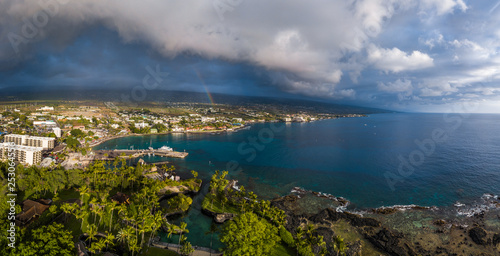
286	236
180	202
77	133
248	234
339	246
48	240
72	143
160	127
182	229
195	174
186	248
309	243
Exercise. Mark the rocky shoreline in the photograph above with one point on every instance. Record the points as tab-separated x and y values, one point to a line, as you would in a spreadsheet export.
397	230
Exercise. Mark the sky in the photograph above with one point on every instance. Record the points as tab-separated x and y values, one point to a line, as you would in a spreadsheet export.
407	55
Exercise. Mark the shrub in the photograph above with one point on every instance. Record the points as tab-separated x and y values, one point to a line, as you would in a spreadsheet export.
287	237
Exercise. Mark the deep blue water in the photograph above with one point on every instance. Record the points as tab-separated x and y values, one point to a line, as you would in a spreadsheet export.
351	157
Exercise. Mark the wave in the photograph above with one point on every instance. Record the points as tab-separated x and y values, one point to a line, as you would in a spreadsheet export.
401	208
343	201
487	203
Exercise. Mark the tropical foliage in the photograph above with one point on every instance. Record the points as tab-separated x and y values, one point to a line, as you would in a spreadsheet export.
108	224
248	234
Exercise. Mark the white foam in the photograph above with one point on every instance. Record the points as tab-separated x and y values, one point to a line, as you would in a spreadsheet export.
407	207
488	202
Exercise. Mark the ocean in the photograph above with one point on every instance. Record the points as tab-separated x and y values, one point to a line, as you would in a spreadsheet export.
378	160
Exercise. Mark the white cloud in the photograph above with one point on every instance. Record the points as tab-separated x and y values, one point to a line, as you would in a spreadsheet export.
304	38
435	41
444	6
471	50
395	60
433	89
396	86
345	93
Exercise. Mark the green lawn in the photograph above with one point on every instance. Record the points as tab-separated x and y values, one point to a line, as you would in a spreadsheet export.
217	205
68	194
190	183
153	251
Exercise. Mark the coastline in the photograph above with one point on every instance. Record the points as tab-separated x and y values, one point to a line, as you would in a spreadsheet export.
214	132
414	225
160	133
400	229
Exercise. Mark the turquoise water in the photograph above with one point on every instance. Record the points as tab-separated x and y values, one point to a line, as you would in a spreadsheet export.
357	158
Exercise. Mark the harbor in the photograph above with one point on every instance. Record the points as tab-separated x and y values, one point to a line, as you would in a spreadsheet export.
135	153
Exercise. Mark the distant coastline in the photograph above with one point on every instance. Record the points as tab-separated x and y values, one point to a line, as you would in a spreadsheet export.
97	143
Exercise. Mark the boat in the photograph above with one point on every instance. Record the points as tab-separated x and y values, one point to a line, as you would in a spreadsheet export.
166	148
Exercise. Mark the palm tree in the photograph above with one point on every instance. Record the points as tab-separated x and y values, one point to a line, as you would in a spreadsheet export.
84	191
145	215
211	231
109	240
132	179
224	201
111	207
82	213
157	222
182	229
94	208
122	236
91	231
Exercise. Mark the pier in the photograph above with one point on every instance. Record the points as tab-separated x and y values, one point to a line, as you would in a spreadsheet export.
112	154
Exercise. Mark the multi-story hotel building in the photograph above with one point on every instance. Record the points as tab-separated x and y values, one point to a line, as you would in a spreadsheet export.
22	154
31	141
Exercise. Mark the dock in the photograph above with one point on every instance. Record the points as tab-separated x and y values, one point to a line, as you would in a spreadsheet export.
112	154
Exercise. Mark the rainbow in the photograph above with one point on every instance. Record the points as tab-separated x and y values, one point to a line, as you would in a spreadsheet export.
210	98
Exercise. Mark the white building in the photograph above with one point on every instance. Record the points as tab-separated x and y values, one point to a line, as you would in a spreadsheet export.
141	125
22	154
46	123
46	108
31	141
177	129
207	119
57	132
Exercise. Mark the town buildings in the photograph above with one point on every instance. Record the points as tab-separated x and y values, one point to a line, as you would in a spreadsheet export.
23	154
31	141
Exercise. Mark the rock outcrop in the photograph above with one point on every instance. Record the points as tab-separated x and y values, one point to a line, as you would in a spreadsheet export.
478	235
218	217
389	241
329	214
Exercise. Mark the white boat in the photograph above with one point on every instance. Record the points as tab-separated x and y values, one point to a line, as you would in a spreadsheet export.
166	148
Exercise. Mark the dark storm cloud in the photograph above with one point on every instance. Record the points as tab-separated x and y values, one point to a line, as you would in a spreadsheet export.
400	54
